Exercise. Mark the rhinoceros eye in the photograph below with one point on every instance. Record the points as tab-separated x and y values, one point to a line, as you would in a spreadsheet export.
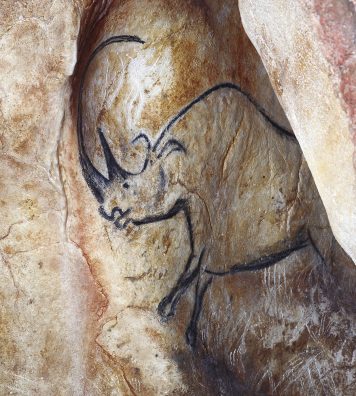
126	185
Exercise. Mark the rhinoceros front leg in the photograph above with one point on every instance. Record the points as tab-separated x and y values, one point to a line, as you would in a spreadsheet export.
167	307
193	265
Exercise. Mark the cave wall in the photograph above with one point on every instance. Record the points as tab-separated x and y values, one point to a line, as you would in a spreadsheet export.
214	269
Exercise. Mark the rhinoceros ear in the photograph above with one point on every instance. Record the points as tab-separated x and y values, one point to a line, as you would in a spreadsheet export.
170	147
145	138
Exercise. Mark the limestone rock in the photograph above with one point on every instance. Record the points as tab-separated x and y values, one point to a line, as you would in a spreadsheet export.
46	288
308	49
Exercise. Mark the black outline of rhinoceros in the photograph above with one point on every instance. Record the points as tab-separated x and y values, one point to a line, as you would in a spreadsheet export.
162	147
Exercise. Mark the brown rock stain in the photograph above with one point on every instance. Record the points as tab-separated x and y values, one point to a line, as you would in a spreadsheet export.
8	346
166	242
30	207
276	82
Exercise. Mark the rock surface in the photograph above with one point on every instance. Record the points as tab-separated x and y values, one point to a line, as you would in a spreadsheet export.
46	287
80	287
308	49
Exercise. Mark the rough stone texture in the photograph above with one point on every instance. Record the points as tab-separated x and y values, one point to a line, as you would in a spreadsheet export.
78	295
308	49
46	288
